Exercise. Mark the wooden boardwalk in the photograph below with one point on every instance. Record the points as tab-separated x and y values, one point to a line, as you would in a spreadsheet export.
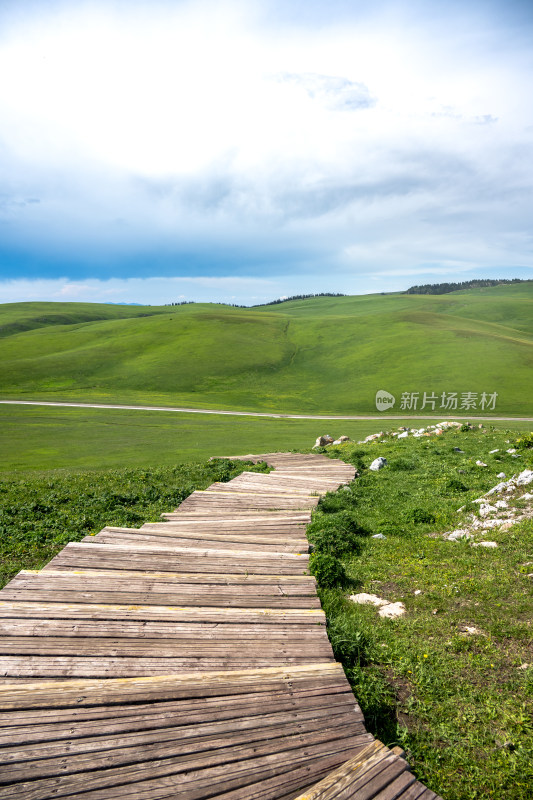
188	659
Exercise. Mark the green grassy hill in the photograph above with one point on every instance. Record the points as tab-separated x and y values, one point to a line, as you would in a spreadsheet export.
319	355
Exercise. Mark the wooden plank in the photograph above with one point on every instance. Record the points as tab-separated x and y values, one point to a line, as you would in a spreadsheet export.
140	581
341	780
252	490
283	785
79	693
70	666
53	609
397	788
51	725
195	774
167	530
150	558
235	515
46	642
175	540
228	632
249	556
195	598
297	583
117	747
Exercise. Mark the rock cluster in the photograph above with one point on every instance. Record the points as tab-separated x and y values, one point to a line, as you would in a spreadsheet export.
386	608
326	440
497	513
403	432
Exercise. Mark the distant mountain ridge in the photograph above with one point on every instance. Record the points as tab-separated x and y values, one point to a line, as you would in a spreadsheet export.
445	288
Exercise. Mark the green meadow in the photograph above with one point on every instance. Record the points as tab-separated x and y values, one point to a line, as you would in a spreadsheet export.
43	438
451	681
327	355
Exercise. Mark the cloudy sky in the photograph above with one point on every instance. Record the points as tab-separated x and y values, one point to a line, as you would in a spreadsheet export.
239	151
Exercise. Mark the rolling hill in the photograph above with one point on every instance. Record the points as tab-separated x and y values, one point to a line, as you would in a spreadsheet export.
318	355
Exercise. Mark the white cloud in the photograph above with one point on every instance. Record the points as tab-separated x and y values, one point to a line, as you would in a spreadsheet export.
203	128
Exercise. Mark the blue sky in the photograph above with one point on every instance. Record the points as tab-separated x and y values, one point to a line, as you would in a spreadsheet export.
243	151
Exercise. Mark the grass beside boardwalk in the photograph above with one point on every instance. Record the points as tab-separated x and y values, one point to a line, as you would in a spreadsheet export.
460	704
40	514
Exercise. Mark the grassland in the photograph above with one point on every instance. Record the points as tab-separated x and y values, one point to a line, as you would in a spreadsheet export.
459	702
320	355
43	438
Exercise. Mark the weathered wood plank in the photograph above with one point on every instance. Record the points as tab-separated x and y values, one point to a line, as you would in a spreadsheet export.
176	541
304	584
79	693
36	608
68	666
122	747
195	597
47	642
139	581
52	725
226	769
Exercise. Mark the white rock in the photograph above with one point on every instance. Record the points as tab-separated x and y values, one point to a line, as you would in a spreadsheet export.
322	441
471	630
492	523
392	610
403	435
456	536
480	463
378	463
500	487
493	451
485	544
527	496
501	504
368	599
512	450
378	536
342	439
507	525
418	591
525	477
501	475
485	509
